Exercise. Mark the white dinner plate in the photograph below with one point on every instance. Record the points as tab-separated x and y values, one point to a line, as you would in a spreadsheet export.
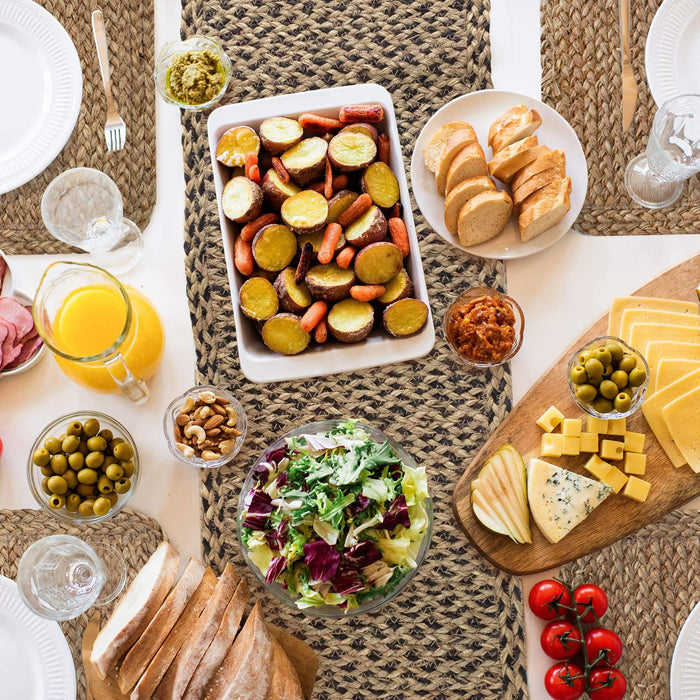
685	665
672	53
481	109
35	660
41	85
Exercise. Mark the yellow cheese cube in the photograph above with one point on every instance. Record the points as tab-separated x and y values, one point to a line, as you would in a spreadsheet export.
634	442
637	489
617	426
597	425
571	427
635	463
612	449
596	466
551	445
550	419
589	442
571	445
615	478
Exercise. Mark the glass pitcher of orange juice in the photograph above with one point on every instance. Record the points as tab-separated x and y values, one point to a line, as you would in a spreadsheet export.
104	335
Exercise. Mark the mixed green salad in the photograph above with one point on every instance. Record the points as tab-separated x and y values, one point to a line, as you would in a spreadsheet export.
335	518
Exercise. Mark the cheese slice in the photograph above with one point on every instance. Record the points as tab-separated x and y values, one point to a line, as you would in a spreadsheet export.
658	351
622	304
670	371
641	334
632	316
682	418
560	499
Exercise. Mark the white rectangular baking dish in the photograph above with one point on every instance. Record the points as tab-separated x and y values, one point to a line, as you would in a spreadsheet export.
258	363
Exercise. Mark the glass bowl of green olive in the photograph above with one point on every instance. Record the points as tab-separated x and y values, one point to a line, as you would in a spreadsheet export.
83	467
608	378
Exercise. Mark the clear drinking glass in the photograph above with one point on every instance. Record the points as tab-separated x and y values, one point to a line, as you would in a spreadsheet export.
60	577
83	207
655	178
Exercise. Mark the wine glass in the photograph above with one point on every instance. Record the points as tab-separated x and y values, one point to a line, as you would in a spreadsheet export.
61	576
83	207
655	178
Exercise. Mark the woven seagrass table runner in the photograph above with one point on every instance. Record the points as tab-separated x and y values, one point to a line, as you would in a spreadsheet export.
134	535
651	579
582	80
456	632
129	26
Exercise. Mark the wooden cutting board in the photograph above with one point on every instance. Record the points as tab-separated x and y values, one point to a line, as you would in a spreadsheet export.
616	517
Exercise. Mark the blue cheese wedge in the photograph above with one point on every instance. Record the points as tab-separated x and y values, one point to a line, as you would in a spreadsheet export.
560	499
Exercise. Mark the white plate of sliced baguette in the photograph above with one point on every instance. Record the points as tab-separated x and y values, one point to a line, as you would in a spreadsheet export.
499	174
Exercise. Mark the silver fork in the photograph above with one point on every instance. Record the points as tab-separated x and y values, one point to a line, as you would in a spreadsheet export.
115	129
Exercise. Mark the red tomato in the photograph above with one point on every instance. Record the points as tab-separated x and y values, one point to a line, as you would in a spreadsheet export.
547	598
602	644
606	684
564	681
591	602
561	640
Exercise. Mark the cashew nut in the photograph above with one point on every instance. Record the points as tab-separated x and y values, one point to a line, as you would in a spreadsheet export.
189	405
209	455
227	446
186	450
207	396
232	416
197	431
203	412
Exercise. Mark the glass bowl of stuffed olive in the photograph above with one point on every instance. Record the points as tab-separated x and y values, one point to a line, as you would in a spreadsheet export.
83	467
608	378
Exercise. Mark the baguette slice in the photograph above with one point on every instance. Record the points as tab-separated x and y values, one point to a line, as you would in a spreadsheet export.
469	162
433	151
136	608
545	208
161	661
455	143
536	182
175	681
506	163
545	160
460	193
483	217
141	654
220	645
245	673
284	684
517	123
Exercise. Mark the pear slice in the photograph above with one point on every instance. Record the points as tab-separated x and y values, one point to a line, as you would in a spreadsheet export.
517	473
490	490
486	515
498	469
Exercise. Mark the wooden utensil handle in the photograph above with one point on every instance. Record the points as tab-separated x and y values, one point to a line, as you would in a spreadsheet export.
625	29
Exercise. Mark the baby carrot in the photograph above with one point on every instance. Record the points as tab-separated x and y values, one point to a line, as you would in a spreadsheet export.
251	159
243	256
344	258
250	229
383	148
315	122
313	315
255	174
399	235
281	171
355	210
329	242
395	211
367	292
321	331
328	189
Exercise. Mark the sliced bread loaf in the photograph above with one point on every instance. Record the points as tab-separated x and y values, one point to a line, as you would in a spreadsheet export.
545	208
469	162
433	150
536	182
455	143
514	125
460	193
284	681
512	158
483	217
544	161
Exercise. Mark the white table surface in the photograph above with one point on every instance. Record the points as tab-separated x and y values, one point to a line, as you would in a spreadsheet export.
579	272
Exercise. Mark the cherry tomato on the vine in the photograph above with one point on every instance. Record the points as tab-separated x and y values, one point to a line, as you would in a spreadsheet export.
547	598
561	640
604	645
564	681
591	602
606	684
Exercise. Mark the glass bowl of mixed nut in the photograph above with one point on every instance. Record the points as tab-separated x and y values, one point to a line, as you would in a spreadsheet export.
205	426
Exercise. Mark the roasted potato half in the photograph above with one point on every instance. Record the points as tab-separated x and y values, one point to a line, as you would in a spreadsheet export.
329	282
350	321
306	212
277	134
242	200
275	191
283	333
293	297
380	183
405	317
369	228
274	247
306	161
316	239
398	287
378	263
361	128
351	150
339	203
236	144
258	299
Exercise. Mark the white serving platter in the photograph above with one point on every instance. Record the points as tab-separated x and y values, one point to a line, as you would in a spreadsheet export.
481	109
685	665
258	363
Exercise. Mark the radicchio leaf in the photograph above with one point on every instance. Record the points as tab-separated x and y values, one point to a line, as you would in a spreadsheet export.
362	503
277	566
276	456
259	508
322	560
397	514
261	473
277	539
282	480
363	554
347	579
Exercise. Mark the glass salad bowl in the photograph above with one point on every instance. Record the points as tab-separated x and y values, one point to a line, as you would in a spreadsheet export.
295	504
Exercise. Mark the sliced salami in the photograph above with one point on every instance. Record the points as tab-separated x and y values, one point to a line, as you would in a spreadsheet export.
13	312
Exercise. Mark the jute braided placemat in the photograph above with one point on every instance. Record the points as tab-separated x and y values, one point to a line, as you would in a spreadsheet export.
134	535
456	632
651	579
129	26
582	80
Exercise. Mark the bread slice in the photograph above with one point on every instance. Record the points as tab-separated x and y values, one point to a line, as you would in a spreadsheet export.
284	683
514	125
469	162
246	672
220	645
460	193
175	681
136	609
455	143
545	208
508	161
141	654
433	150
544	161
483	217
536	182
161	661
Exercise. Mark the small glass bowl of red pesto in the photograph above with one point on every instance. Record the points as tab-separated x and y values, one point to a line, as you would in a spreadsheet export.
483	327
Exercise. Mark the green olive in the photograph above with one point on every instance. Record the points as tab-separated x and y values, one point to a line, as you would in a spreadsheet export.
619	376
91	427
602	405
123	451
585	355
59	464
114	442
622	402
109	460
123	485
73	503
86	490
627	363
112	497
603	354
57	501
76	461
87	476
46	471
105	485
94	460
57	484
608	370
41	457
102	506
114	472
608	389
53	445
128	468
87	507
71	478
70	444
62	437
578	375
628	390
637	376
615	350
107	434
83	449
97	444
45	486
75	428
586	393
594	368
